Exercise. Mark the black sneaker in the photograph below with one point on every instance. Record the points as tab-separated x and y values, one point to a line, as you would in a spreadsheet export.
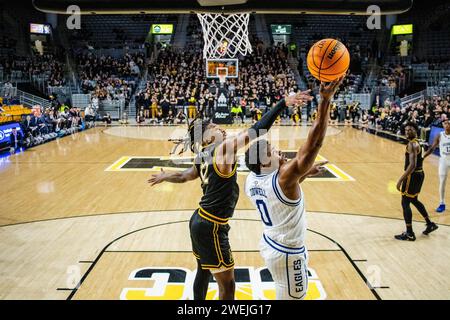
430	228
405	236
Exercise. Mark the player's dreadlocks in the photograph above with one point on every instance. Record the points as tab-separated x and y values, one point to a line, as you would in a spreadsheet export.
193	138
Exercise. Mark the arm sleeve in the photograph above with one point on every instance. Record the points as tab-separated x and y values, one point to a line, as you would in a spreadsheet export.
269	118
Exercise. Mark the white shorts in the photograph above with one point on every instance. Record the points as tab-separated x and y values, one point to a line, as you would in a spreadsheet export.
288	267
444	165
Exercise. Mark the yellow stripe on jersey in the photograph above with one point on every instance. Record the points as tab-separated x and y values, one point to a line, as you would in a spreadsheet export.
212	218
410	195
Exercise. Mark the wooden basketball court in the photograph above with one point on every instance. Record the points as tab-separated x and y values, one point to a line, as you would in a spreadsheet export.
79	221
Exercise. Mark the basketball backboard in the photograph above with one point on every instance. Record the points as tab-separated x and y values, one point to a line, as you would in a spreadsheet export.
216	67
358	7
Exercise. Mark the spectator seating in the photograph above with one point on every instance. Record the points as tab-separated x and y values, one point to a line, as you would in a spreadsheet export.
13	113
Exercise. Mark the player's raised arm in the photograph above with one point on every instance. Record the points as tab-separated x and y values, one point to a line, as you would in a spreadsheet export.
174	177
226	152
297	169
433	146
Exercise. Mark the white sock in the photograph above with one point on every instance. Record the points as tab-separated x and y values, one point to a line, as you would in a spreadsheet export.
442	181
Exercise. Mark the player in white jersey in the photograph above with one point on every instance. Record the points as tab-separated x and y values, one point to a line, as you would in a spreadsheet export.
274	188
443	141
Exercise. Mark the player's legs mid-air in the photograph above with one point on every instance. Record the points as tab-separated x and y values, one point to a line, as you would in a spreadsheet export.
289	270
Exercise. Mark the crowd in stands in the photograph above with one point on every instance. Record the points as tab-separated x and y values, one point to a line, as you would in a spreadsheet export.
109	79
8	90
346	113
426	113
40	125
393	76
56	121
179	88
48	66
391	116
434	63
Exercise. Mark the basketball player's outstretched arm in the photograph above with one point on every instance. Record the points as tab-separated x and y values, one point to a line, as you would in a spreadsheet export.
433	146
174	177
298	169
226	152
413	150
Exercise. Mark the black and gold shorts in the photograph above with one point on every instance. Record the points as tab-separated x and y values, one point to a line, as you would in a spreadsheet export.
412	186
210	242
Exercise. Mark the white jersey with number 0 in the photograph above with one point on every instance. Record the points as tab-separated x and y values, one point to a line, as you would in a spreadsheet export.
282	244
284	219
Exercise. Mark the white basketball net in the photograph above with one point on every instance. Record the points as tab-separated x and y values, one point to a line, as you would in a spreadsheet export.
225	36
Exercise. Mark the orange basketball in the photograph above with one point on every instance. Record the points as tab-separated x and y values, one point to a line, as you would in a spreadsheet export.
328	59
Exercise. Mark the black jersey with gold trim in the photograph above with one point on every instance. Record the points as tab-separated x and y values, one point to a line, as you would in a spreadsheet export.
419	159
220	192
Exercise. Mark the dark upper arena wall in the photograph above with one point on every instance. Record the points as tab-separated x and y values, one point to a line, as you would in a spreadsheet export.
358	7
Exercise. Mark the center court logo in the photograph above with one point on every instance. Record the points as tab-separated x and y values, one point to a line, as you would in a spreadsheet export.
154	164
175	283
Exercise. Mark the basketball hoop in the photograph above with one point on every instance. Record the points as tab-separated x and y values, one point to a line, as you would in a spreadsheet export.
225	35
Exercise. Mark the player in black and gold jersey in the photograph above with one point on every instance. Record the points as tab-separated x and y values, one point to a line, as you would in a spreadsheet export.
410	184
215	164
